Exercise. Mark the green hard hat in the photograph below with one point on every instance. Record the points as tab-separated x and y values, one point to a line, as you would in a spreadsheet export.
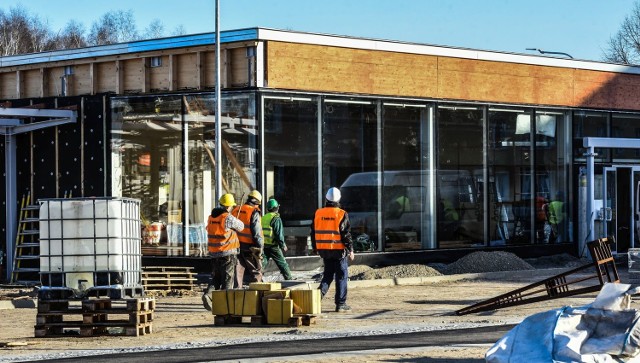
272	204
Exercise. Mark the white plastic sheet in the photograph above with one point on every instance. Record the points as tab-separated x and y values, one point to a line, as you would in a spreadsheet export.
607	330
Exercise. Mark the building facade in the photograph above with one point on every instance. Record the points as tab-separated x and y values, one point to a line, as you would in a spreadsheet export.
432	147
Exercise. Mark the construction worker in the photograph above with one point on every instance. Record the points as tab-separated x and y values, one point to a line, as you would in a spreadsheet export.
251	240
223	245
274	245
557	216
331	239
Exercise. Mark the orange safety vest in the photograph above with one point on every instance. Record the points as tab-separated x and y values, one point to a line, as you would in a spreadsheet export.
326	225
244	215
218	238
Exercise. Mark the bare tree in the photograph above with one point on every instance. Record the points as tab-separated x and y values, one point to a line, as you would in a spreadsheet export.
21	32
624	46
113	27
72	36
154	30
179	30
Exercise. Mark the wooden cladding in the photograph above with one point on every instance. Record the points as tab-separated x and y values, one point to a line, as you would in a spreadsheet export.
180	69
333	69
322	68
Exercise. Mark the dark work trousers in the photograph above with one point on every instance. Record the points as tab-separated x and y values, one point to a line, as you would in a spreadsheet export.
339	268
223	270
252	264
274	252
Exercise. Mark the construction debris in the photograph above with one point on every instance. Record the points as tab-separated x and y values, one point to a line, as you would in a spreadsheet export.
605	331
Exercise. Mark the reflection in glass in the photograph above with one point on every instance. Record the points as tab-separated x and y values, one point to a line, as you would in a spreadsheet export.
459	176
291	164
589	124
146	157
350	147
406	190
625	126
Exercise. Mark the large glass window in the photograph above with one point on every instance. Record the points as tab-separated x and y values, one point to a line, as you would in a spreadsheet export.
291	163
526	206
406	188
350	154
551	163
589	124
239	157
148	143
625	126
146	159
509	158
459	175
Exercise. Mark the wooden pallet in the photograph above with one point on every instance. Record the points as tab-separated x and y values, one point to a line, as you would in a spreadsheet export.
260	320
163	278
95	317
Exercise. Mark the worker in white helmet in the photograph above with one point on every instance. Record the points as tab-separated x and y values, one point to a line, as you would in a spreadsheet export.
331	239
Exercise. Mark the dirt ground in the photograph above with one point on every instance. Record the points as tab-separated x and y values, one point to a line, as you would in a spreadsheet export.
181	321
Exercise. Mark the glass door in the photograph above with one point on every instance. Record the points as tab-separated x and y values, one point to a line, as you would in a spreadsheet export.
620	209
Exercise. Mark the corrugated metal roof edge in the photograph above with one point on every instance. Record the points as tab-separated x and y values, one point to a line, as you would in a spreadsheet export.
130	47
258	33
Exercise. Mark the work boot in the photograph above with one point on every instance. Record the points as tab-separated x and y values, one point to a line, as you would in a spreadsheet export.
206	300
343	308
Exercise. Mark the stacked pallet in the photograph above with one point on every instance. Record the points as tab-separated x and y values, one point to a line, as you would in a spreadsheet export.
266	303
94	317
164	278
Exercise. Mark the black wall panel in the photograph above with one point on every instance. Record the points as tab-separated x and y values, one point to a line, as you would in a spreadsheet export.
94	146
69	151
44	158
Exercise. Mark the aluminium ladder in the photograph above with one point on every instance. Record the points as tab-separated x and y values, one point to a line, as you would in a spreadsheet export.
26	269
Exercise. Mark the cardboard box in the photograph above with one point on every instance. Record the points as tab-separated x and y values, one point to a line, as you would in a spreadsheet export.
279	311
309	301
247	303
222	302
265	286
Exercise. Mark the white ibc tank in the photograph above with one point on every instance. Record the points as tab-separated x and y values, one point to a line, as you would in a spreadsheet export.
88	242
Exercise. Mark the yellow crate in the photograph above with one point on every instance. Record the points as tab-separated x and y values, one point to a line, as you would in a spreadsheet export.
222	302
265	286
247	302
279	311
309	301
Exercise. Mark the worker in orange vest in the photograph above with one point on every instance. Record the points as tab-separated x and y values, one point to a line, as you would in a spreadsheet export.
223	245
251	239
331	239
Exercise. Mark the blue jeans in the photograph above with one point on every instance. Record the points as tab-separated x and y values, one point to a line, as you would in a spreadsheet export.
340	269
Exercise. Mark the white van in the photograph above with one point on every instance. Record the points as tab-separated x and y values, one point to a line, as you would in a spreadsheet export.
405	208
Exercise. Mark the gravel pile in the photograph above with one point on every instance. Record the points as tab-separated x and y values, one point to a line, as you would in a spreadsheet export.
391	272
356	270
563	260
487	262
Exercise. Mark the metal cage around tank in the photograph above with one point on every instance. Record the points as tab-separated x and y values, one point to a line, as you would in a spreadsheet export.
90	247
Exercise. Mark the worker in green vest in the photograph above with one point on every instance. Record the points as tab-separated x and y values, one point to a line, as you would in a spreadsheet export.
557	216
274	245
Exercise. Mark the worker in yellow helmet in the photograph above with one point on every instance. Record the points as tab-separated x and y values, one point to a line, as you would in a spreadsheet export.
223	245
251	240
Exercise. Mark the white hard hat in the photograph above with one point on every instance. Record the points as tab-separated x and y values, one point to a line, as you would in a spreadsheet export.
333	195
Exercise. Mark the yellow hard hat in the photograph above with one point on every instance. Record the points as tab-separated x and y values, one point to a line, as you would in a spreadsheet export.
256	195
227	200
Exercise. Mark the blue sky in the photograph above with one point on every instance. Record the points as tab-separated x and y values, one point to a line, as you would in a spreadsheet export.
578	27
